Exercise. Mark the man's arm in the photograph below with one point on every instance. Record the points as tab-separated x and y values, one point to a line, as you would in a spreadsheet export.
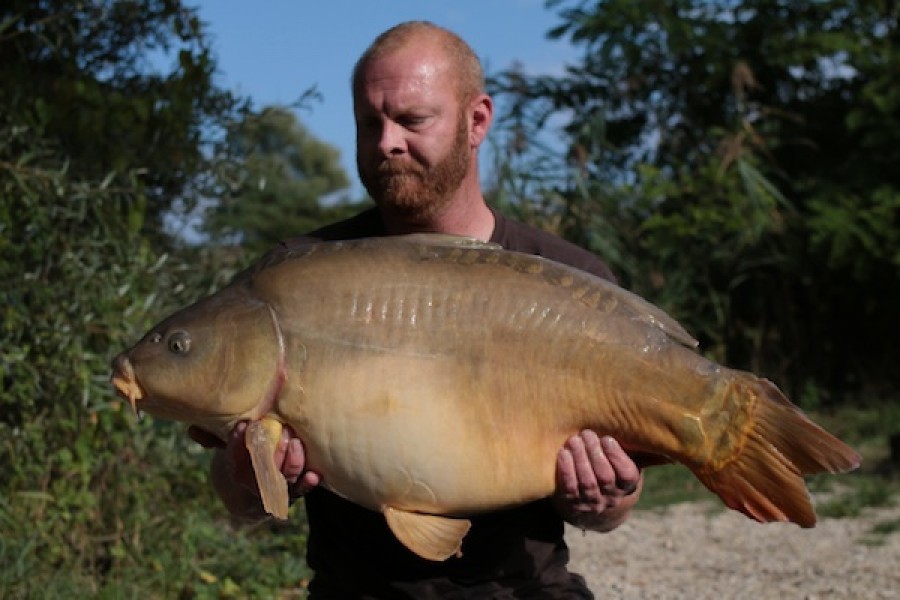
597	483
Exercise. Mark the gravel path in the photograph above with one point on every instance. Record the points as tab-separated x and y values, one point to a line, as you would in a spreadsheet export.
694	551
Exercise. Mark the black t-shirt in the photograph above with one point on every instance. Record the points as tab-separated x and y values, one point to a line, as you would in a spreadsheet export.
516	553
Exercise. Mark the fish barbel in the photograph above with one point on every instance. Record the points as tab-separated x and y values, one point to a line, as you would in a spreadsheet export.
432	378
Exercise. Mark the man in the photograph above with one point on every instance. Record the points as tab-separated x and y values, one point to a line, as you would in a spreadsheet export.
421	115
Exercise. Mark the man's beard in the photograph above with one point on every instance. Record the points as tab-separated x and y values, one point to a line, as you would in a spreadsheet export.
416	193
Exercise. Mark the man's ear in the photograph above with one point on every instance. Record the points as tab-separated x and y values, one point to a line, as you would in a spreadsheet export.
481	113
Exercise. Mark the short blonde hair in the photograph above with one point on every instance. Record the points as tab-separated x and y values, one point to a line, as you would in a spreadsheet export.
467	67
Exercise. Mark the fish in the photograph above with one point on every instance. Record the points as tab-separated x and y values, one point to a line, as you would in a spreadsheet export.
432	378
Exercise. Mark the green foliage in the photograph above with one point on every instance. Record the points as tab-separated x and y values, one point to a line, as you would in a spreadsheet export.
854	233
84	75
277	183
866	492
734	162
94	503
672	484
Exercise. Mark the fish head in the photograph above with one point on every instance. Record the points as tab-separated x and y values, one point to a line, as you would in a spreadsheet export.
211	364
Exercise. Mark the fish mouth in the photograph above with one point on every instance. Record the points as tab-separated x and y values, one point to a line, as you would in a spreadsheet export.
123	378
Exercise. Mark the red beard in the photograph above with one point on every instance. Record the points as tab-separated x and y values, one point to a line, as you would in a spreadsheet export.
414	192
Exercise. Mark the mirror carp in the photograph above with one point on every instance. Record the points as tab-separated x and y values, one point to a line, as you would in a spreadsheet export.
432	378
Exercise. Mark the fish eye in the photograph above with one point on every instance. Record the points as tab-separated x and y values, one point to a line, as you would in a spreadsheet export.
180	342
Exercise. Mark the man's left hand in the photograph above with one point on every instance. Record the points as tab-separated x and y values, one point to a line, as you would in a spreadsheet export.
597	483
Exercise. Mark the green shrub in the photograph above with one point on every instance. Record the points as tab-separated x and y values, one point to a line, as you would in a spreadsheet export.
94	503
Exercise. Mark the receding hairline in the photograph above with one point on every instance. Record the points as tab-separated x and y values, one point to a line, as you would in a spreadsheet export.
463	60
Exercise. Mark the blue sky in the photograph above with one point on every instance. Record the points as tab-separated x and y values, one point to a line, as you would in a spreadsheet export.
273	50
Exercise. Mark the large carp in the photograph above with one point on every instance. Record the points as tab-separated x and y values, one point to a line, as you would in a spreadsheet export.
433	377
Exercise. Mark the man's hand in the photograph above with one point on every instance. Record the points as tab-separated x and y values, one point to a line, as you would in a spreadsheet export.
597	483
233	476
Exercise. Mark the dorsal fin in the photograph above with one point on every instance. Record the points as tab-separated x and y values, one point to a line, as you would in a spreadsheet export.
657	317
432	537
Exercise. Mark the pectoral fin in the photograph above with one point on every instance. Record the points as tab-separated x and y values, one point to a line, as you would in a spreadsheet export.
261	439
432	537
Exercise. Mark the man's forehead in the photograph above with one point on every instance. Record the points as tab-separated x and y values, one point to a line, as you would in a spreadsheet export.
406	77
413	61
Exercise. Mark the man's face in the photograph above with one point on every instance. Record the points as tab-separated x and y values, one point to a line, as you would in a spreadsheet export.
412	136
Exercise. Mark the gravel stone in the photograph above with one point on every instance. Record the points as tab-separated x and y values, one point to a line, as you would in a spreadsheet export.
696	551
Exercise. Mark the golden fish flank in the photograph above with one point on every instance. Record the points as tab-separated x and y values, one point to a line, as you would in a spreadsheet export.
428	375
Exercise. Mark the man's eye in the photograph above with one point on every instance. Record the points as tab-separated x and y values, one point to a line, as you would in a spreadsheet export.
413	121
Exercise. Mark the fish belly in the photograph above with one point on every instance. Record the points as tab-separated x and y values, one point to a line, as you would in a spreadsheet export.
421	434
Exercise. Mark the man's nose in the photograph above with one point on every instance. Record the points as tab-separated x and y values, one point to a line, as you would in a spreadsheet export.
392	141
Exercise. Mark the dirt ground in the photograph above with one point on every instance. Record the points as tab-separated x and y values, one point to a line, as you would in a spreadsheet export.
695	551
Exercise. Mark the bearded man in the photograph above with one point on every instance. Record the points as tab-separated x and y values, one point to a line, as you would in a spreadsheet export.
421	115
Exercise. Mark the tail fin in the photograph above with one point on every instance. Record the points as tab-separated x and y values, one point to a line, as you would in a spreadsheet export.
765	479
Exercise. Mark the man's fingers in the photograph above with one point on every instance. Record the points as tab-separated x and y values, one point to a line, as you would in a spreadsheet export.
626	474
598	467
594	476
628	487
591	466
584	470
293	468
294	460
305	483
566	481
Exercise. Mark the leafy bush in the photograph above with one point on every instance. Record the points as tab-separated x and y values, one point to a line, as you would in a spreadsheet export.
92	501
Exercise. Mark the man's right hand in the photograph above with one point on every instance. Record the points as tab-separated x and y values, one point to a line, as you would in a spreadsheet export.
233	476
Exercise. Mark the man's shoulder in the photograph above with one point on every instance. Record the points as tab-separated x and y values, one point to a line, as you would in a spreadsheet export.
521	237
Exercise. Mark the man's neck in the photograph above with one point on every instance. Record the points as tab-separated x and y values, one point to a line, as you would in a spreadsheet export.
469	216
